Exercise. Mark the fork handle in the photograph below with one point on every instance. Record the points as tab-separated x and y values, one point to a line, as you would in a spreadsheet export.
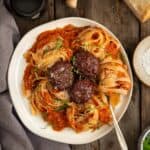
120	136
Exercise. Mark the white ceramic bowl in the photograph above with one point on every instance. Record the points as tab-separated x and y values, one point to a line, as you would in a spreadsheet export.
141	48
35	123
144	134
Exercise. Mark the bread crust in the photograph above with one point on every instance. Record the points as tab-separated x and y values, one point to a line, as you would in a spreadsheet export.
141	8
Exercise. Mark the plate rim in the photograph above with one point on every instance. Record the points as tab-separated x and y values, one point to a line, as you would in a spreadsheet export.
126	61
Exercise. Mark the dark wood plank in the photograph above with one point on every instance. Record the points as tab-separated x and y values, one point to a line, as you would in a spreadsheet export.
27	24
117	17
145	101
91	146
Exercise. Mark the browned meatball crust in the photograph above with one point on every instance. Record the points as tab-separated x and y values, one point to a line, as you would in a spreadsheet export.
86	63
82	91
61	75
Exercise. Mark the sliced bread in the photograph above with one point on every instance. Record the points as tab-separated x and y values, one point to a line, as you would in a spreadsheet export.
141	8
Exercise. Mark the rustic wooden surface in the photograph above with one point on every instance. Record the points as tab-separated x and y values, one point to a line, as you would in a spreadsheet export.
115	15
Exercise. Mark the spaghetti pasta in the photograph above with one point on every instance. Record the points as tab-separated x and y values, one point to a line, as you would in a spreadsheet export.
55	105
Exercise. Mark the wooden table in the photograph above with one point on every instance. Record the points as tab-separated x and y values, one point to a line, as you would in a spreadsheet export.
115	15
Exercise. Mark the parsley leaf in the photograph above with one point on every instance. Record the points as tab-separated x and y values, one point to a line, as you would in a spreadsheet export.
59	43
73	59
62	107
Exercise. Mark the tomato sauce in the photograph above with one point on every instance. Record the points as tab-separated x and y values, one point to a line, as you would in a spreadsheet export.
68	33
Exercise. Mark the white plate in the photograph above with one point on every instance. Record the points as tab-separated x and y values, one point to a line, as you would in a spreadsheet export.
21	104
137	60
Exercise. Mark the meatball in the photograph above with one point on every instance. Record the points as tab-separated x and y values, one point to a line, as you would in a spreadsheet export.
61	75
87	64
82	91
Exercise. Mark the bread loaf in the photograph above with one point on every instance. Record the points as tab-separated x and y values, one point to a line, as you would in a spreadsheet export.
141	8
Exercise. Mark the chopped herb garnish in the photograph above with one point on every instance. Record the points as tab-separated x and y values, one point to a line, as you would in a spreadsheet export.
73	59
59	43
58	100
62	107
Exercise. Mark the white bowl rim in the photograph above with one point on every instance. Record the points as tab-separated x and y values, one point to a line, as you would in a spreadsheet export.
127	62
137	49
142	137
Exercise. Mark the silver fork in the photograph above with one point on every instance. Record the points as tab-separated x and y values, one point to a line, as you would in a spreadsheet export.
119	133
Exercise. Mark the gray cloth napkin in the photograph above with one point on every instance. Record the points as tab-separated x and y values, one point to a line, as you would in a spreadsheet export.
13	135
